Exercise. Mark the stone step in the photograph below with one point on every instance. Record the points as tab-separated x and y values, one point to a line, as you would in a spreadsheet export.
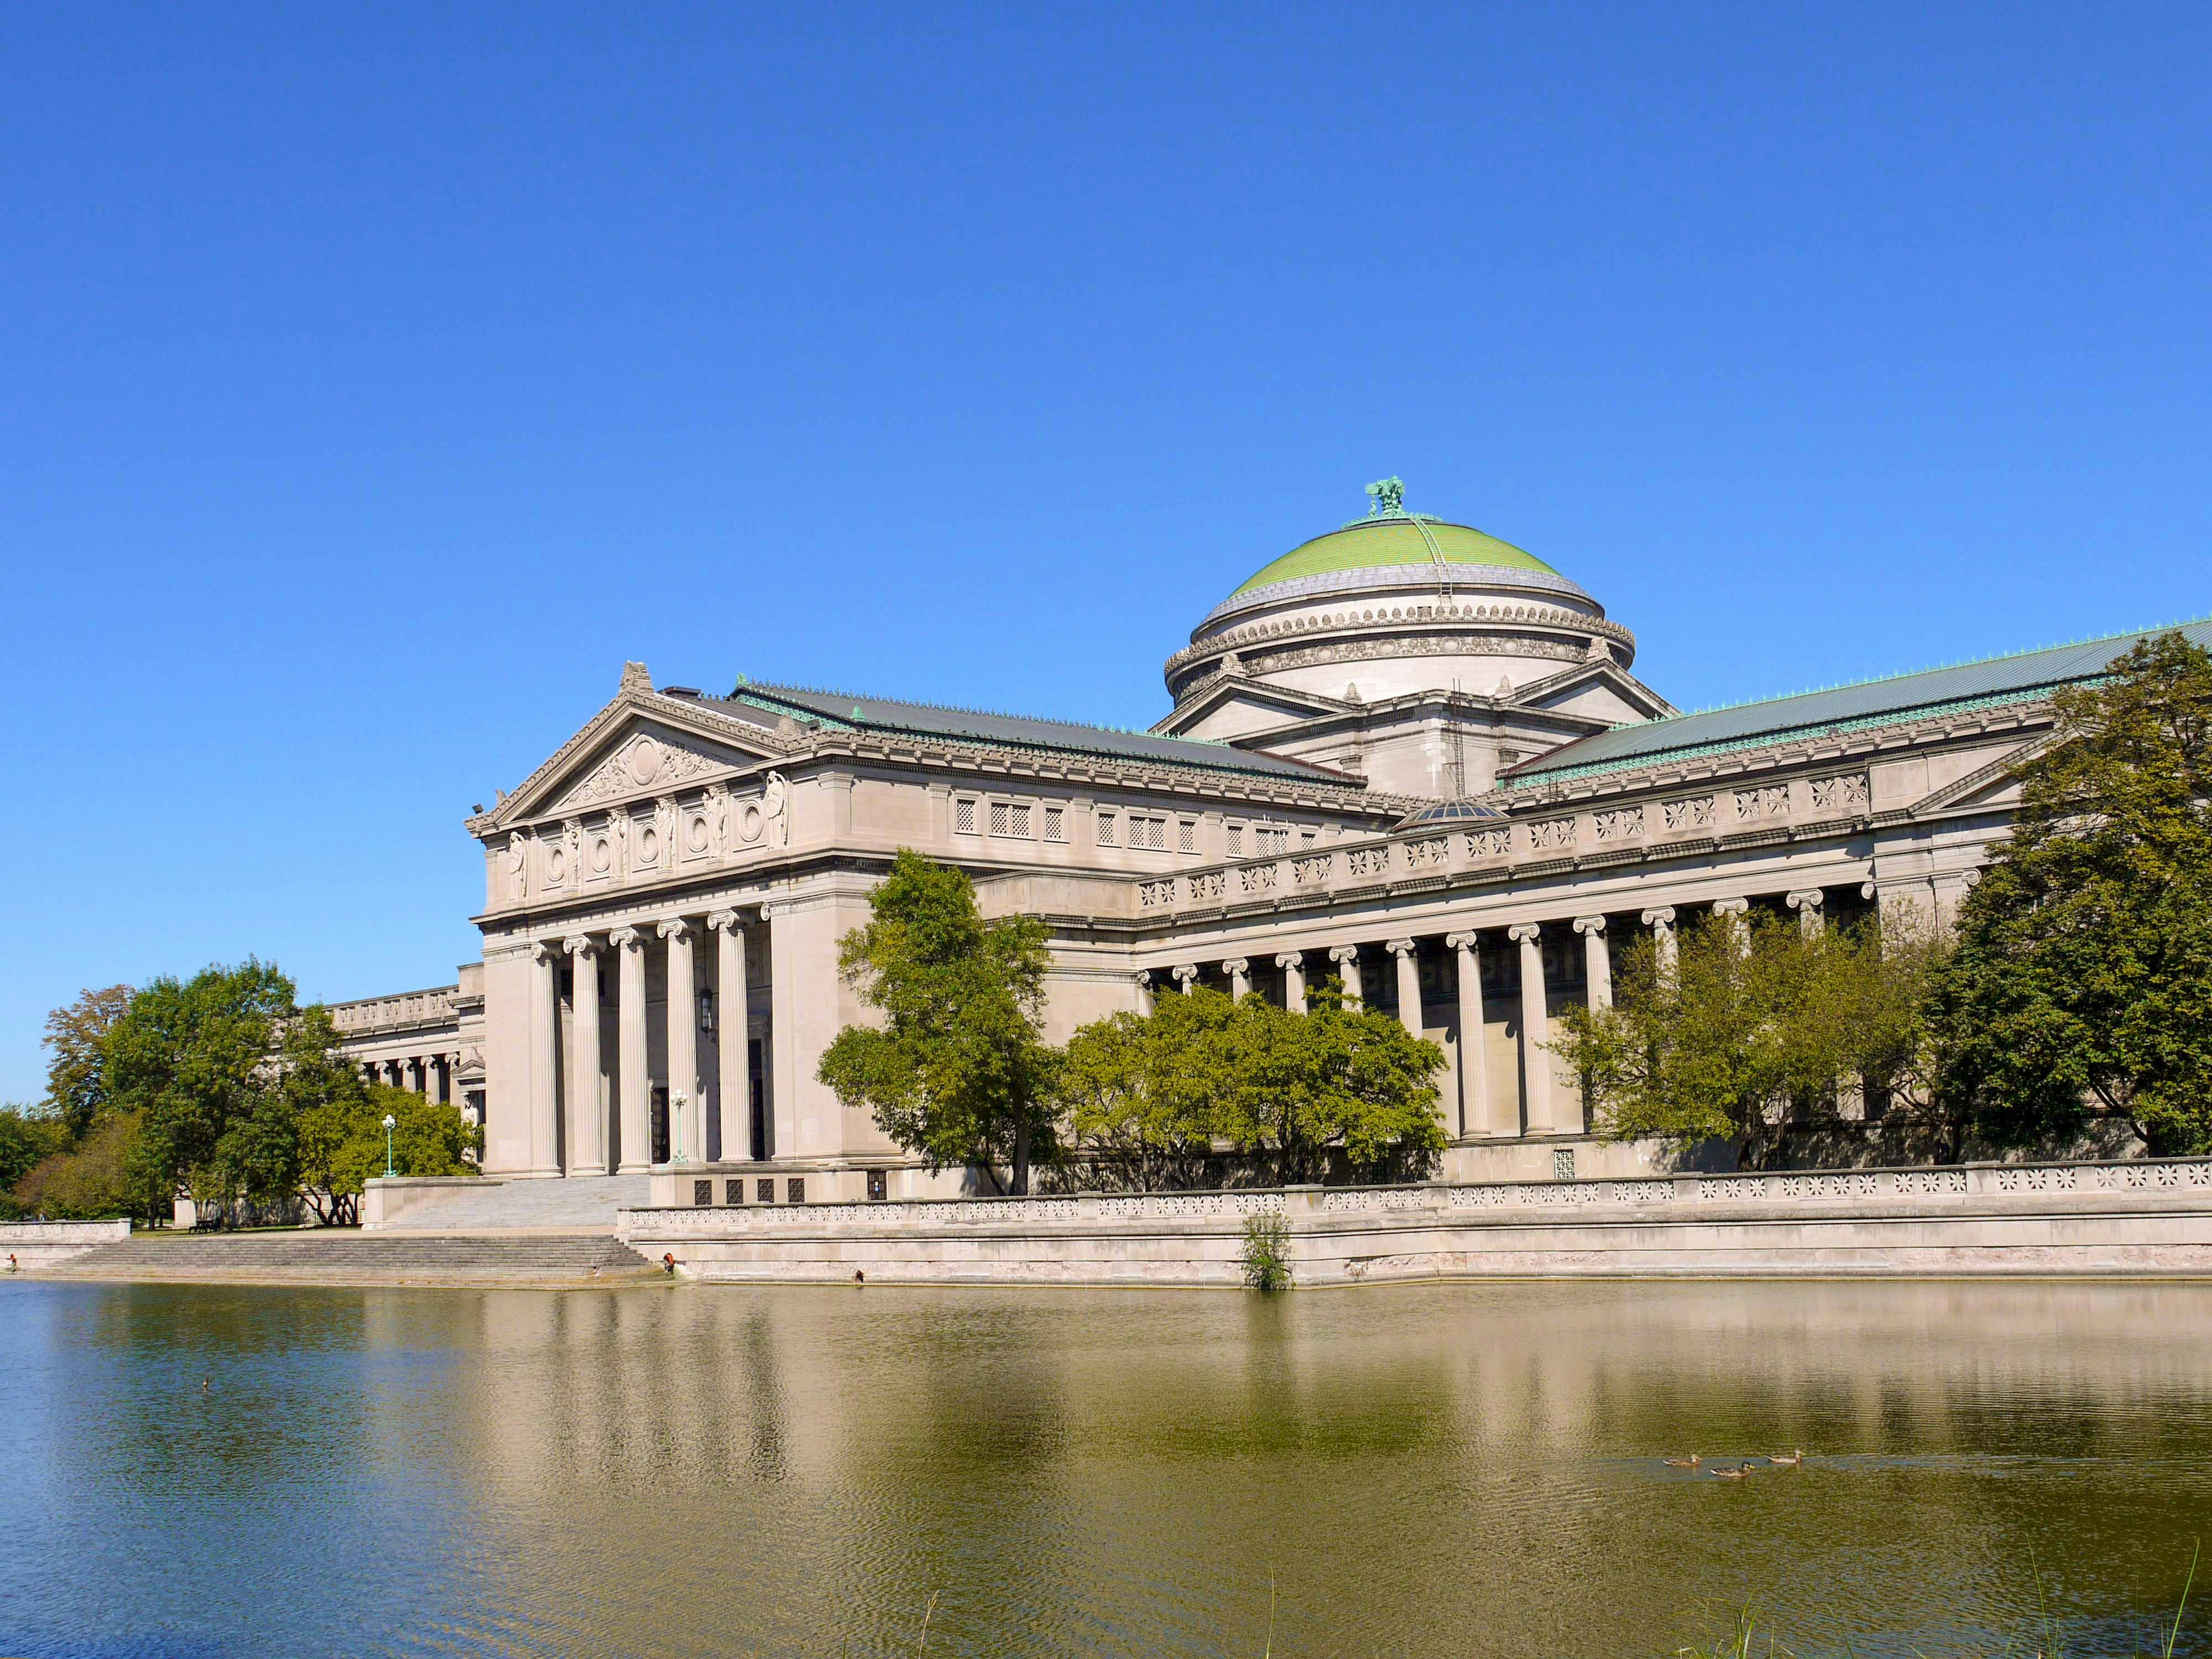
338	1255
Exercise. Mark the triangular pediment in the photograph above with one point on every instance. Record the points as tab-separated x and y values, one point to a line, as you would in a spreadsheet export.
1232	707
1997	784
1594	690
641	745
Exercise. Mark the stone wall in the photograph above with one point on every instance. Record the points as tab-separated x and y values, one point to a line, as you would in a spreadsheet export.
42	1243
2143	1218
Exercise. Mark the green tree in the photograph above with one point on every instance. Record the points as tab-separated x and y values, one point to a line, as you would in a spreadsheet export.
957	1071
192	1060
2082	976
1339	1078
1750	1026
29	1136
76	1086
102	1175
342	1144
1141	1091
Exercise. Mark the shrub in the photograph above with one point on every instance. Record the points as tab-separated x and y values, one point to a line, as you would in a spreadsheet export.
1267	1254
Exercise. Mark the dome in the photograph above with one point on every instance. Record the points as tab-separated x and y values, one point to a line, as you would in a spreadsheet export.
1446	813
1401	539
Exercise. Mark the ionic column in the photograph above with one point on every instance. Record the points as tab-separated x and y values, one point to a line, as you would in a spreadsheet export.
733	1031
544	1034
587	1119
1661	921
1535	1027
1145	992
1346	958
632	1083
1239	971
1475	1114
1409	984
1597	961
1731	910
1292	962
1185	974
1806	904
687	1116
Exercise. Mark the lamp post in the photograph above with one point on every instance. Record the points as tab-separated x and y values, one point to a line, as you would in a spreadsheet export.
390	1122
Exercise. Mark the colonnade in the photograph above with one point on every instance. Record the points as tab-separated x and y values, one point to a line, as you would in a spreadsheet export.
609	1129
1545	1107
430	1076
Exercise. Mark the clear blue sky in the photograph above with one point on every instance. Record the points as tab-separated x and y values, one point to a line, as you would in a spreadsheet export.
374	387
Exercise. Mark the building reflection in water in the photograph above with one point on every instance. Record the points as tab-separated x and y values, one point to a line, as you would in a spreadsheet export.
1445	1470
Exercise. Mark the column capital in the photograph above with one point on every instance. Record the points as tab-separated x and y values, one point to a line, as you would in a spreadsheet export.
1589	924
579	944
1399	947
1290	959
1662	916
544	951
1730	907
1185	971
1803	898
1466	941
1525	932
1237	965
625	938
718	920
675	927
1344	953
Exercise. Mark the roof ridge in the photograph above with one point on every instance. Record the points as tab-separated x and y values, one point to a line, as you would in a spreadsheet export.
1932	668
858	697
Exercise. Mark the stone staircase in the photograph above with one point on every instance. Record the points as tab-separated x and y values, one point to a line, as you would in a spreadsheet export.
342	1256
580	1204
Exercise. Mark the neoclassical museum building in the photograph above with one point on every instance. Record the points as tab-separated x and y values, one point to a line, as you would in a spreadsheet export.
1406	753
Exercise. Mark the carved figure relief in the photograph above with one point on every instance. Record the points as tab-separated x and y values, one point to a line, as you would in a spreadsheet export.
665	829
518	866
718	816
643	762
775	804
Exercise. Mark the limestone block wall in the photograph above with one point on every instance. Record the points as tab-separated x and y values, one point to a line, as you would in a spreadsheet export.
42	1243
2153	1218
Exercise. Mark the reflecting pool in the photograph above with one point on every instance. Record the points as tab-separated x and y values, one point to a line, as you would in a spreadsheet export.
1411	1470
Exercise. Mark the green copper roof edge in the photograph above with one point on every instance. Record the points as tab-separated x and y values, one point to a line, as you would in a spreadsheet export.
767	703
1655	759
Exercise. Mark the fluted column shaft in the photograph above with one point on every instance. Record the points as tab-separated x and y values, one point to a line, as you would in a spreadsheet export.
1292	962
1474	1102
687	1117
1597	961
1144	993
544	1036
1409	985
587	1120
1661	921
632	1084
733	1031
1733	913
1535	1028
1346	958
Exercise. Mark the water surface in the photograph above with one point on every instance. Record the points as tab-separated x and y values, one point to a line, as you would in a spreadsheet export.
1411	1470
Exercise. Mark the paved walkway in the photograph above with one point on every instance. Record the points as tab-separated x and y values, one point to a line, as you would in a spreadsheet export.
342	1256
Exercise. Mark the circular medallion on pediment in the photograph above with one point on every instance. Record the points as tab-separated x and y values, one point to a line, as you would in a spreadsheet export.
749	823
556	864
648	846
603	856
645	761
696	832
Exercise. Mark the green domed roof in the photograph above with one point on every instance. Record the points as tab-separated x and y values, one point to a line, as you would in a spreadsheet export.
1394	539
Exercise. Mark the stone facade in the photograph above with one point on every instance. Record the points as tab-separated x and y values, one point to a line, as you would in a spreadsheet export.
1467	830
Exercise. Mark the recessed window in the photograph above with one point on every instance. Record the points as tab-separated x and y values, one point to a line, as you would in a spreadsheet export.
1106	827
1237	841
963	816
1055	823
1186	836
1022	814
999	811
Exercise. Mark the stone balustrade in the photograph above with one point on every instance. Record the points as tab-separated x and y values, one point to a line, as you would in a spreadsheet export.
1717	817
2137	1218
439	1005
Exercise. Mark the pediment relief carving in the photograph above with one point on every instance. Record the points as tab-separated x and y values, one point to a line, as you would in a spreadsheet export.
646	762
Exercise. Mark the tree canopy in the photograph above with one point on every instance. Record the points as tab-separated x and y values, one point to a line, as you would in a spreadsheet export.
1155	1092
1751	1026
957	1071
2083	972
